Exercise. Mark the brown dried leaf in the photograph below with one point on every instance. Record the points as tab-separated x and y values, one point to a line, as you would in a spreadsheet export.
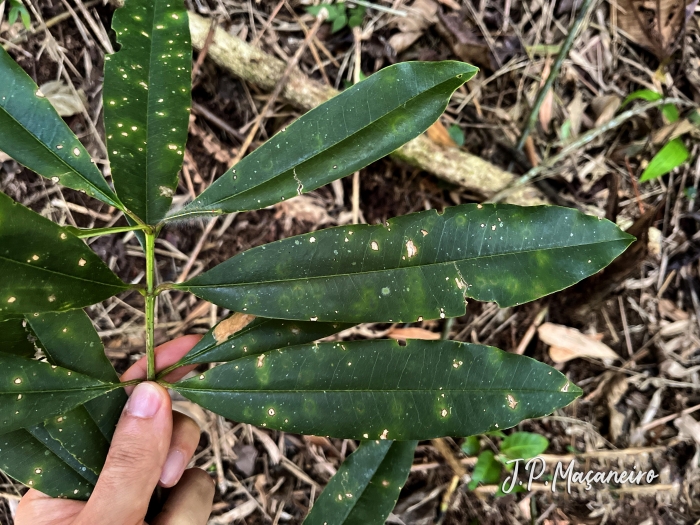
654	24
63	99
688	427
413	333
568	343
438	133
305	208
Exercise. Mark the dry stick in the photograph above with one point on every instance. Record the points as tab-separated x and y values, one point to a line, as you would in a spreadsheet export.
583	140
448	163
205	49
198	248
666	419
267	25
357	34
554	73
278	88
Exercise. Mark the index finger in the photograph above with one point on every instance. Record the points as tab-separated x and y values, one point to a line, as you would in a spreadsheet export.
166	354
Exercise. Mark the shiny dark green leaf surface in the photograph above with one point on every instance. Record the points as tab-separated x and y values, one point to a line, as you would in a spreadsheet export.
44	267
419	266
366	486
32	133
362	124
33	391
257	337
14	338
28	460
69	340
380	389
147	103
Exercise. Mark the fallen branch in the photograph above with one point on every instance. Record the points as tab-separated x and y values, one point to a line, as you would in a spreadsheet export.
257	67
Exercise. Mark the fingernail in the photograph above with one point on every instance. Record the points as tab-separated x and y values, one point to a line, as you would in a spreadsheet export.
173	468
144	401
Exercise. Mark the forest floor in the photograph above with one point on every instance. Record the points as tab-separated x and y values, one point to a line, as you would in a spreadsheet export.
634	338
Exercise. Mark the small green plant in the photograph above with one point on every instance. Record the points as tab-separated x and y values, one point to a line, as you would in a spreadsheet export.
673	153
340	15
16	11
489	466
59	406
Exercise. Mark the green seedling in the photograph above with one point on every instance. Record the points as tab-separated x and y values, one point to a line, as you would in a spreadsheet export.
60	398
489	466
340	15
672	154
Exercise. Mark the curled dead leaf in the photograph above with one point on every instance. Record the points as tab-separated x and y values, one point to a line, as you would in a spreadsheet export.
568	343
654	24
66	102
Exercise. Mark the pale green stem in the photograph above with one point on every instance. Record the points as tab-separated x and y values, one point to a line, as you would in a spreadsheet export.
96	232
150	306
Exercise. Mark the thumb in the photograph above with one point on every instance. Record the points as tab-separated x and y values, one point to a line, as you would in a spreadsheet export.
135	459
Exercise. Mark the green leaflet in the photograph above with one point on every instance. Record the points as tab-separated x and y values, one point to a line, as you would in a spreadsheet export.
524	445
367	485
362	124
487	470
44	267
147	103
379	389
32	133
419	266
33	391
255	338
667	159
69	340
14	338
28	460
77	439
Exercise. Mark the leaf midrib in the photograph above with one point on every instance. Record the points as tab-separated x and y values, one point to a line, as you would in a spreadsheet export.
107	388
395	391
61	274
475	258
310	157
56	156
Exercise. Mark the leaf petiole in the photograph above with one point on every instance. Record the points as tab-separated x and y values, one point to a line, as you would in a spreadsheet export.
150	305
97	232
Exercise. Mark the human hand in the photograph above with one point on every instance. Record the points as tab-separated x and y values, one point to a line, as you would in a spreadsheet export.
152	445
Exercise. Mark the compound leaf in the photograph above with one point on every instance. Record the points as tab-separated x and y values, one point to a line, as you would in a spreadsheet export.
36	136
32	391
380	389
44	267
147	103
362	124
28	460
419	266
226	341
367	485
